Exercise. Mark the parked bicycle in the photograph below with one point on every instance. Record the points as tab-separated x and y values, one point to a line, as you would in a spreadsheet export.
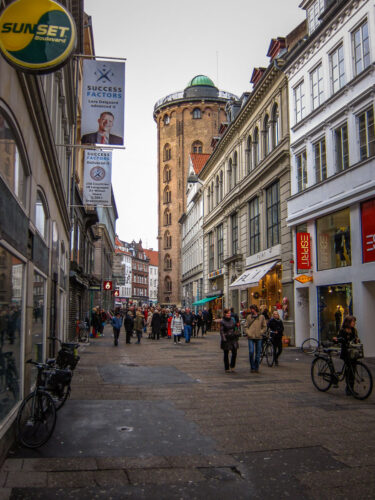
36	417
67	356
8	374
268	350
356	374
311	345
83	332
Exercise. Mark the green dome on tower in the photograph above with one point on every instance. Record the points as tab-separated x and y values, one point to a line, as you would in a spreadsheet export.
201	80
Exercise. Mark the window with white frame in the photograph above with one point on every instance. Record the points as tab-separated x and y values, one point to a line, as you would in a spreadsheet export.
361	48
366	134
220	246
211	254
313	13
317	86
234	220
273	214
320	160
254	226
299	102
341	147
301	165
337	69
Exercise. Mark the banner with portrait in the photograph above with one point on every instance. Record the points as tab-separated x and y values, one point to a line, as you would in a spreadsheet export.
97	177
103	103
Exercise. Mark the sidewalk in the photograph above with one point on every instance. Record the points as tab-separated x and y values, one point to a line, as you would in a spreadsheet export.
159	421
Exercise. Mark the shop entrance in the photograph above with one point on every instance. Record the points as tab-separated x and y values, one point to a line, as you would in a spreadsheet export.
302	315
334	303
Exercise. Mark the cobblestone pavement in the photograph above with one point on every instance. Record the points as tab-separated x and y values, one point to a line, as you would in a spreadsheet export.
164	421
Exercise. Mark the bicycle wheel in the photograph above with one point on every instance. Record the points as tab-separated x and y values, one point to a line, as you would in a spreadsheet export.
270	354
321	375
362	381
36	419
309	346
60	397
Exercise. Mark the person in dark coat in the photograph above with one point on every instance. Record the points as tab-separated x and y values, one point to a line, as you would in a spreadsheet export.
116	323
276	327
129	326
348	334
188	319
199	323
163	323
229	340
156	324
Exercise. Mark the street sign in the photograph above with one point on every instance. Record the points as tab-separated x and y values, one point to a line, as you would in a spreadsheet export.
107	285
116	293
95	288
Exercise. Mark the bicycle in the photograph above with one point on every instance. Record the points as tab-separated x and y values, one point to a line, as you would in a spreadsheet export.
83	332
67	356
311	345
356	374
36	417
268	351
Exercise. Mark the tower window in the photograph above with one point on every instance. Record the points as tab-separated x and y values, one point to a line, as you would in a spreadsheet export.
197	114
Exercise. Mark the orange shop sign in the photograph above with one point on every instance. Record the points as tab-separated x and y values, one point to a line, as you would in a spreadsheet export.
303	278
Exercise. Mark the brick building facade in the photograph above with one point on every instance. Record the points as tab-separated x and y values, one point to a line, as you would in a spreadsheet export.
187	122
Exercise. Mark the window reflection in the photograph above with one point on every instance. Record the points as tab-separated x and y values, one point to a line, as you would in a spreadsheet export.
11	286
37	337
11	167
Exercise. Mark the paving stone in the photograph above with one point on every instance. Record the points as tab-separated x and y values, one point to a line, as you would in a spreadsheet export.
72	479
132	462
203	461
59	464
164	476
110	478
12	464
5	493
26	479
339	478
3	478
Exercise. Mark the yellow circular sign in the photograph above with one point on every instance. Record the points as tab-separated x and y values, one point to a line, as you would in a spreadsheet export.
37	35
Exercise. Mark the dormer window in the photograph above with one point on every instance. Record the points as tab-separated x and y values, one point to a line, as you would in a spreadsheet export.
313	13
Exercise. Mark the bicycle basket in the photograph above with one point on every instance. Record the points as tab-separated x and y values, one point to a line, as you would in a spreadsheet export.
355	351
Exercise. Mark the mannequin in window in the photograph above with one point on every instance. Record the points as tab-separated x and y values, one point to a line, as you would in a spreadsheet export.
342	247
338	318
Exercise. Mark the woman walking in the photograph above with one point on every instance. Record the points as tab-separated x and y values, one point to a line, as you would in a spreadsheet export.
276	327
229	340
177	327
138	324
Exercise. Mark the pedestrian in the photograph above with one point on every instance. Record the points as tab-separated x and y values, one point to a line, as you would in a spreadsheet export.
163	323
256	327
95	321
169	323
129	326
116	323
177	326
229	340
200	322
276	327
156	324
264	312
188	320
148	322
138	324
348	334
234	317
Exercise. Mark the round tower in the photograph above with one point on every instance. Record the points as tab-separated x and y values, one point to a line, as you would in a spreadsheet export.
186	122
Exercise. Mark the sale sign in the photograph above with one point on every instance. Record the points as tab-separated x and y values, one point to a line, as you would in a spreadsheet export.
303	251
368	231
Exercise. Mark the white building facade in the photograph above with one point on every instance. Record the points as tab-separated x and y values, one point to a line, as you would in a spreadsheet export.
332	203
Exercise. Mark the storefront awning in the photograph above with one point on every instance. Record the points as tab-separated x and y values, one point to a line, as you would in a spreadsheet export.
252	276
203	301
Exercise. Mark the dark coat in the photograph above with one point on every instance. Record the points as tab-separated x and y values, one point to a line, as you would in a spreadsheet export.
188	318
156	322
228	335
91	139
129	323
344	339
276	327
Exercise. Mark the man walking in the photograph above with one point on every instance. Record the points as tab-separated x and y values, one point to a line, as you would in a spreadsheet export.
116	323
188	320
256	326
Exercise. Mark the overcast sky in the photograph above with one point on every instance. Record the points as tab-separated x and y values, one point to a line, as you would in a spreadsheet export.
166	43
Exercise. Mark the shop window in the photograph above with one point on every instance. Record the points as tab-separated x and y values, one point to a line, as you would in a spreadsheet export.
333	239
320	162
334	303
11	293
37	331
341	147
12	167
273	215
254	226
366	134
41	215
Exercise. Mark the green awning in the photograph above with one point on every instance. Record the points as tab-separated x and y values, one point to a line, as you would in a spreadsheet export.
203	301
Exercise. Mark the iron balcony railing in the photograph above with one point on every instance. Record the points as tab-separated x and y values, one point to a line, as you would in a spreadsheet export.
176	96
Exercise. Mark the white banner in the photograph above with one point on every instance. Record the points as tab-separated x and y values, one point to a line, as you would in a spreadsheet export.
103	102
97	178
